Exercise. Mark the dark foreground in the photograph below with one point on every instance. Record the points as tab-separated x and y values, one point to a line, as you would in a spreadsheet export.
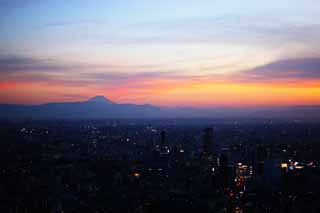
160	166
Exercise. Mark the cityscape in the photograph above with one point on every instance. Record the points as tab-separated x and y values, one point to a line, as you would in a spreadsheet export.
172	165
148	106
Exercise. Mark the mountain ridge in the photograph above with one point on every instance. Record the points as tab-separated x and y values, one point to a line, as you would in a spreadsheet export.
100	107
100	99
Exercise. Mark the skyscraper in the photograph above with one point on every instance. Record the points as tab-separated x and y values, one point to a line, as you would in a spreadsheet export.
163	137
164	148
208	142
224	168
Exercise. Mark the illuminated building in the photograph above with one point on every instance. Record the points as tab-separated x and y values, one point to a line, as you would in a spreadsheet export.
163	143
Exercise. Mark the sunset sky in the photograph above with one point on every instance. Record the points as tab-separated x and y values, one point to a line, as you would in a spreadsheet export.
198	53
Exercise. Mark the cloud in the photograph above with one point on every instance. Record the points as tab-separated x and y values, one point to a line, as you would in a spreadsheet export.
254	30
23	64
22	69
113	76
9	64
13	60
285	69
26	69
72	23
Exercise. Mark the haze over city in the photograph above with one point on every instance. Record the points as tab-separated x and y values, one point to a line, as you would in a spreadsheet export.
165	53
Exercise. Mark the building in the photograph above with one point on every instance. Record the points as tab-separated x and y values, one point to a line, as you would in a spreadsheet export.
163	138
208	143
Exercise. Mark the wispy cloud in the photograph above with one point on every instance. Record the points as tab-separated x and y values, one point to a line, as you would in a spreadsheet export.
9	64
284	70
20	68
13	64
72	23
73	74
230	29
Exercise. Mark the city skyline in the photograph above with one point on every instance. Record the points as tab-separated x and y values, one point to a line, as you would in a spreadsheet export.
168	53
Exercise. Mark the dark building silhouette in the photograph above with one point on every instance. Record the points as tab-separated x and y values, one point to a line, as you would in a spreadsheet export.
208	142
164	148
163	138
224	168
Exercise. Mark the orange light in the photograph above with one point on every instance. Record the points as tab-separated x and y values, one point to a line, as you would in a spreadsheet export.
136	174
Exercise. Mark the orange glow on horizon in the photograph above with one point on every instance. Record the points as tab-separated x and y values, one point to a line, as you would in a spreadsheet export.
7	85
169	92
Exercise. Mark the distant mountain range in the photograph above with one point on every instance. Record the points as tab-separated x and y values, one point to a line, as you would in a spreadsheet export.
100	107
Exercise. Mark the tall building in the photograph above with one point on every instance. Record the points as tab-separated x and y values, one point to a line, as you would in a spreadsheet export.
164	148
163	138
208	142
224	168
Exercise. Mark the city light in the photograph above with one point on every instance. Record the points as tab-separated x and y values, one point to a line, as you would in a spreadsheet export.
136	174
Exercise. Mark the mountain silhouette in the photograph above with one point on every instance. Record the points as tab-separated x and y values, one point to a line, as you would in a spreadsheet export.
100	107
100	99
